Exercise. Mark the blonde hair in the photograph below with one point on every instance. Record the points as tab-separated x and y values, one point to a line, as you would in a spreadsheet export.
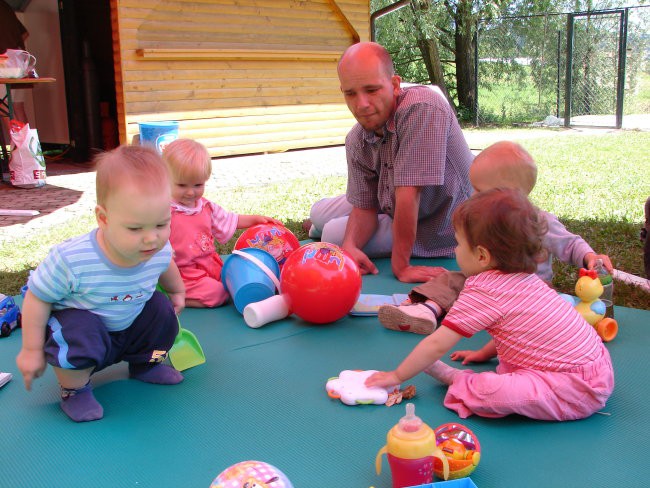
137	165
509	165
188	159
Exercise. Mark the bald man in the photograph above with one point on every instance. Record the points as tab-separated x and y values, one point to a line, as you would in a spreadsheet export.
408	169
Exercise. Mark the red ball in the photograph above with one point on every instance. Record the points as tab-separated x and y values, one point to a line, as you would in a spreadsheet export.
275	239
321	282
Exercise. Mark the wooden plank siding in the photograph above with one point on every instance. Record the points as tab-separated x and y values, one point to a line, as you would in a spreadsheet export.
240	76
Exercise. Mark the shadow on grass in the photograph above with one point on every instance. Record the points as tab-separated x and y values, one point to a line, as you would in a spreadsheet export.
12	281
621	242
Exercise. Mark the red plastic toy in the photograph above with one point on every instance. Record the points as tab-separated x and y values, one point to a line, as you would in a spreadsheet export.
275	239
321	282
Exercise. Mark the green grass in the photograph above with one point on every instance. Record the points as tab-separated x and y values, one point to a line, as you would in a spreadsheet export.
637	100
595	184
515	98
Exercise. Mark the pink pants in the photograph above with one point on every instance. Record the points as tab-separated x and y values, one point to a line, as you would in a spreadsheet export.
542	395
208	291
201	286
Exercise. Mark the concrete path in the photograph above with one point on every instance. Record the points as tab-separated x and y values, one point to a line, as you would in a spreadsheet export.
70	189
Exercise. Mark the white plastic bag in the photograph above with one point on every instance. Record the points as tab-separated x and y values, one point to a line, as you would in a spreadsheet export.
17	63
27	164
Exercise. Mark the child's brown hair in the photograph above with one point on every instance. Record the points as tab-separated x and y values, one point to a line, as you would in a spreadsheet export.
138	165
503	221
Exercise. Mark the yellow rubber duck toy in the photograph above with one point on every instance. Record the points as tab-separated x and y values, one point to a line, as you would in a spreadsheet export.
589	289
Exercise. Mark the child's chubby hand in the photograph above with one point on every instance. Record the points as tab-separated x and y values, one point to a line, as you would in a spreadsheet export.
469	356
263	219
246	221
383	379
178	301
591	258
31	363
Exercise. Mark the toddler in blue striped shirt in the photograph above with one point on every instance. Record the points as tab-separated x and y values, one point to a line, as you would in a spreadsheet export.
93	302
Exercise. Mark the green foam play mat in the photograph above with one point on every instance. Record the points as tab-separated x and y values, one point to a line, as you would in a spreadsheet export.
261	396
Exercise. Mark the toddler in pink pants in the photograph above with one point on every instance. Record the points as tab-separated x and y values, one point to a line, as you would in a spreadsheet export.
552	364
197	222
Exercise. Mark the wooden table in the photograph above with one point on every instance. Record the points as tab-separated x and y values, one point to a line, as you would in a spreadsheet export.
7	110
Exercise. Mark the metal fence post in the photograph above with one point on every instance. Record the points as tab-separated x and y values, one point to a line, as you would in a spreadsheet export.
569	71
559	66
622	56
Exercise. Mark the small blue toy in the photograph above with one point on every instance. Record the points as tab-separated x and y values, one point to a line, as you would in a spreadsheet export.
10	316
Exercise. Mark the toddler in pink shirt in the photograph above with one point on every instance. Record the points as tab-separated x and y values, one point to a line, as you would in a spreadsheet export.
552	364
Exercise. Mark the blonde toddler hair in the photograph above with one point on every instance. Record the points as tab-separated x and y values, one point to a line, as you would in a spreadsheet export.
188	159
506	164
140	166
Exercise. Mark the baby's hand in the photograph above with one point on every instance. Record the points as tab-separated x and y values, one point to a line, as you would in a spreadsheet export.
269	220
178	301
31	363
591	258
383	379
469	356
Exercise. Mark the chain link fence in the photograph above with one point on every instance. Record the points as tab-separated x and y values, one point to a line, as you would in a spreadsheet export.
637	76
519	64
522	68
594	58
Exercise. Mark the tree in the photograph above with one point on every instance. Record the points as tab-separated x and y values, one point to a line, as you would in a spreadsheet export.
443	33
433	41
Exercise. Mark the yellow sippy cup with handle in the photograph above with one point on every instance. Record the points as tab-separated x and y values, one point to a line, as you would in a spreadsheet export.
410	448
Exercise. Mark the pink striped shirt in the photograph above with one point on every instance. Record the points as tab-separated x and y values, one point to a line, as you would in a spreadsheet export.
532	326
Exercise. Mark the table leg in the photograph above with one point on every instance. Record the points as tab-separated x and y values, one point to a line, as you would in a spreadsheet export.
6	110
4	162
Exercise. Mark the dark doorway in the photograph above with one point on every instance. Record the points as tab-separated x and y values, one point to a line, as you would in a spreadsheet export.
87	44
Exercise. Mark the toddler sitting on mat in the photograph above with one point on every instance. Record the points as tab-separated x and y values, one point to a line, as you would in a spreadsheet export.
552	364
508	165
197	222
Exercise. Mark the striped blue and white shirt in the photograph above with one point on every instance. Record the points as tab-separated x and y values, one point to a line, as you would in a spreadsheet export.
77	274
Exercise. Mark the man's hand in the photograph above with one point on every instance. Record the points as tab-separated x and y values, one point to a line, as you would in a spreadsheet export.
418	274
362	224
31	363
366	266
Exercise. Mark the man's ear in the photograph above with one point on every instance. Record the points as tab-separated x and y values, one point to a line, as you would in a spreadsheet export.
484	257
396	81
100	215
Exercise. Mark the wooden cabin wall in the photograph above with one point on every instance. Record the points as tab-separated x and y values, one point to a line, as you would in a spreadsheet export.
240	76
